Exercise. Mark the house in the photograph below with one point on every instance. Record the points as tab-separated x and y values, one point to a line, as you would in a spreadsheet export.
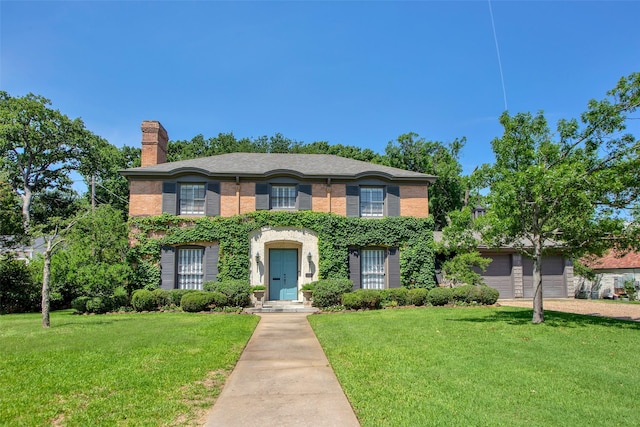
611	270
511	273
283	258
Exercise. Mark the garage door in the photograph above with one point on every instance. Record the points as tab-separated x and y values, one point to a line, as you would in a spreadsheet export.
498	274
553	283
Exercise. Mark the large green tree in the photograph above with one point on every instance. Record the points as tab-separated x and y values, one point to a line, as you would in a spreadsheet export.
40	146
568	190
411	152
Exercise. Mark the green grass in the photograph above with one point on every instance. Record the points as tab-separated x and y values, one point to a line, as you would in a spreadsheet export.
484	366
126	369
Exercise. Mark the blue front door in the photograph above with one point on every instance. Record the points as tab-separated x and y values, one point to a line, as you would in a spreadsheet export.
283	274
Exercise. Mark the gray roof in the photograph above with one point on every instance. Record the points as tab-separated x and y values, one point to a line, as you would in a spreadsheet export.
270	164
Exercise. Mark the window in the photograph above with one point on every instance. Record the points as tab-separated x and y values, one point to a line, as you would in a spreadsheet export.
372	202
192	199
190	272
372	268
283	197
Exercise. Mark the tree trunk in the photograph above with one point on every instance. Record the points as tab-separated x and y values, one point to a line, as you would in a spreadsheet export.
46	288
538	311
26	208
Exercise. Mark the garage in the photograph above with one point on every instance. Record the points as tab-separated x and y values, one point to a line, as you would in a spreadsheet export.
553	278
498	274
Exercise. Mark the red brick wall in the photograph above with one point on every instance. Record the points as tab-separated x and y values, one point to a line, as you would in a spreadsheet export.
145	198
414	201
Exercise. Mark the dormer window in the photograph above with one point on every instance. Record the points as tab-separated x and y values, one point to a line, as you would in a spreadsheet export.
192	198
283	197
372	202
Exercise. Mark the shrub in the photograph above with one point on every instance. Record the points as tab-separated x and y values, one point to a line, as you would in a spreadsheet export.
488	295
194	302
418	296
175	295
80	304
120	298
19	291
143	300
440	296
365	299
161	297
237	291
328	292
98	305
466	294
399	295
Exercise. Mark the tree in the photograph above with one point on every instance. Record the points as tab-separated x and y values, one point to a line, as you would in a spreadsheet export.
416	154
11	227
39	146
568	190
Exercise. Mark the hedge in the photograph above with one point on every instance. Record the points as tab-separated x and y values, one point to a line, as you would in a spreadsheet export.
194	302
329	292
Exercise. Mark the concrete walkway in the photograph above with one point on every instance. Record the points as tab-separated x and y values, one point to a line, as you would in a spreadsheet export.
283	379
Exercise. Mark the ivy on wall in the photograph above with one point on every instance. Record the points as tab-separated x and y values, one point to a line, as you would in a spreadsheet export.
414	237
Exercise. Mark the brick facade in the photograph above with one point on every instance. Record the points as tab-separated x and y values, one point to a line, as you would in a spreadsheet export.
145	198
414	201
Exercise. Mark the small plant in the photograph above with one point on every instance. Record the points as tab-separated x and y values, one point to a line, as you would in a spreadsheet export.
259	288
143	300
80	304
237	291
328	292
630	289
362	299
200	301
440	296
308	286
418	296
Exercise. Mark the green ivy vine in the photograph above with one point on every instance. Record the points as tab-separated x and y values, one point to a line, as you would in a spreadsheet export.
414	237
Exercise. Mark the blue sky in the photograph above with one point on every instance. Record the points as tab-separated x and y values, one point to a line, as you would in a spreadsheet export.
356	73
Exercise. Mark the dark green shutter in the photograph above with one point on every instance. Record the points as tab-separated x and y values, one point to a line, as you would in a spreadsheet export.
393	267
211	263
304	197
354	267
212	201
353	200
168	267
262	197
169	198
393	201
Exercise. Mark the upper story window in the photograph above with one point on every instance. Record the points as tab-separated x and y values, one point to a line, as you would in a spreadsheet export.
283	196
372	202
192	199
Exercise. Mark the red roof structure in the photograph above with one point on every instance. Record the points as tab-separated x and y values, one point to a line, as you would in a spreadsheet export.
614	260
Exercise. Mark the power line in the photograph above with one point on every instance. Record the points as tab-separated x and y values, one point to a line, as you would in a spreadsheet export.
495	38
111	192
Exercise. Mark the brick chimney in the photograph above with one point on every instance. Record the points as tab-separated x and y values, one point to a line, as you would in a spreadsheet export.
154	143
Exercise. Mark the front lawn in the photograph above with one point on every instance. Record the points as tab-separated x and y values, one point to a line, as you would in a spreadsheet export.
484	366
126	369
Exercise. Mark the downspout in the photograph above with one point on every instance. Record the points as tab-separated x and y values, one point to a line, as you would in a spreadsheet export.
238	192
329	192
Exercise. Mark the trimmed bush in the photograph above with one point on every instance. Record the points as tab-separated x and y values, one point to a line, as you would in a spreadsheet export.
399	295
418	296
440	296
143	300
194	302
80	304
238	292
466	294
161	297
488	295
328	292
98	305
175	295
362	299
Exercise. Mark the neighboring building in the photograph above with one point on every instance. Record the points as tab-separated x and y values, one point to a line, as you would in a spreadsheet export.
612	270
240	183
26	252
512	273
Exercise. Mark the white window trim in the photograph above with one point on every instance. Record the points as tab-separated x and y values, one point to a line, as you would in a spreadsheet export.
371	208
288	192
189	204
